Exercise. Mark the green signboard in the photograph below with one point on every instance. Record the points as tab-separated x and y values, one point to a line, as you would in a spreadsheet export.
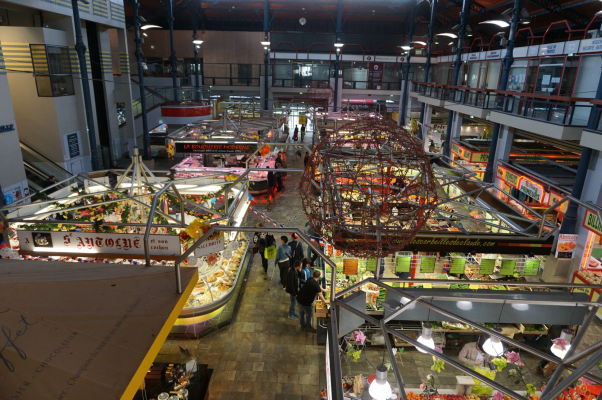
531	267
402	264
487	266
427	265
457	265
371	264
508	267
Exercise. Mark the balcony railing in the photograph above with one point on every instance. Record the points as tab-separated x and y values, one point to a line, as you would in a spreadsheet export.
372	85
301	83
560	110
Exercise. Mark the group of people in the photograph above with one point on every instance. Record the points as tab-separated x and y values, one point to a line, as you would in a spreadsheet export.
295	275
296	133
276	177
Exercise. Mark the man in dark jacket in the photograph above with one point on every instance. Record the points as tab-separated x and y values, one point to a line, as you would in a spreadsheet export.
292	288
296	249
307	295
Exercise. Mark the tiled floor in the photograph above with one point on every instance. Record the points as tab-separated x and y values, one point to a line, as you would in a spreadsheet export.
262	354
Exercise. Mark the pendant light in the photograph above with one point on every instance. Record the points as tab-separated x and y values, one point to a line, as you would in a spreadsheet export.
380	389
426	338
562	344
493	346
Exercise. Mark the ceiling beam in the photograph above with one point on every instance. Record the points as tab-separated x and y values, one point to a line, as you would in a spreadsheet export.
565	12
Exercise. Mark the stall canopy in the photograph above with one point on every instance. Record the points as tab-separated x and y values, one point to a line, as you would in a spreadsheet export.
83	331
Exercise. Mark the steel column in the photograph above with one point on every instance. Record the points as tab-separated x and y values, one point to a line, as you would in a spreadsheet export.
508	60
146	154
80	47
266	55
569	223
457	66
172	49
197	80
406	69
339	30
429	52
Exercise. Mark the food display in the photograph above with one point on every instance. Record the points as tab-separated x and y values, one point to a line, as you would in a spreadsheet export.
218	272
591	277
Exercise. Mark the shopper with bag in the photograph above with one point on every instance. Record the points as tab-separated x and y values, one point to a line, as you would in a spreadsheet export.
305	273
283	258
260	242
292	288
296	249
306	298
269	252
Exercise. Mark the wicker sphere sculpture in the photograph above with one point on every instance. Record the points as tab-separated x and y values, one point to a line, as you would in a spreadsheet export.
368	188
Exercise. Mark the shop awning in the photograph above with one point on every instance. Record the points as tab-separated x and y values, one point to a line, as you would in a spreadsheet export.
83	331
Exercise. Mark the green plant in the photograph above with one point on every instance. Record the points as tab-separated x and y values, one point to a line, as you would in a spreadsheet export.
438	365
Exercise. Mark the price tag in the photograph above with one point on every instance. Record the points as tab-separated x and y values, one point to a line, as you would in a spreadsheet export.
457	265
371	264
532	267
508	267
487	266
427	265
402	264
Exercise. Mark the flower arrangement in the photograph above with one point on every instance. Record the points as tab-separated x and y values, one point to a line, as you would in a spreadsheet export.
513	362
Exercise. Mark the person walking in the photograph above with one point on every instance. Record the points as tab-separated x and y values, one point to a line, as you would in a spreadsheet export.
292	288
260	241
296	133
305	298
302	132
271	186
306	159
279	175
296	249
283	258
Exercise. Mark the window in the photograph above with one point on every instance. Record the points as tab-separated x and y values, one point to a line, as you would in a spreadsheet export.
52	70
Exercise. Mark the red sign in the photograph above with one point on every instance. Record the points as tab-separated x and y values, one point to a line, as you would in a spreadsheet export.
208	148
192	111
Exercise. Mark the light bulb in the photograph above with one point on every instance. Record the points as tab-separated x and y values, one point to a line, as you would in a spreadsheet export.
426	339
380	389
464	305
560	349
493	346
497	22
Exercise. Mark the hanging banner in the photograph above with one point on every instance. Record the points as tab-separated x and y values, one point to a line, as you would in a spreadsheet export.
215	147
350	266
487	266
566	245
93	244
212	244
403	264
531	189
510	177
375	74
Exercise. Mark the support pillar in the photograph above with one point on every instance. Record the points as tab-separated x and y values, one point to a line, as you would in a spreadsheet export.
457	66
455	129
80	48
146	151
266	56
427	113
504	147
508	60
339	29
429	54
172	51
405	95
197	78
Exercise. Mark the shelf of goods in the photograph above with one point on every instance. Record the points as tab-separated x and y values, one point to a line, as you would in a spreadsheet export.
592	277
192	167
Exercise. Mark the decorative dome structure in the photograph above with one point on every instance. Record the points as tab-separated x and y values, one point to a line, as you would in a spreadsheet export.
368	188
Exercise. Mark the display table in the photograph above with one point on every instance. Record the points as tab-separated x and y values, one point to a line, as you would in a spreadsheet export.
590	277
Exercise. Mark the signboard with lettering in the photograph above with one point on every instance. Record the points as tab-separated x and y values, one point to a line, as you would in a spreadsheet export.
590	45
592	222
531	267
510	177
212	244
473	56
493	54
96	244
7	128
403	263
209	147
567	243
457	265
487	265
550	49
531	189
73	145
427	265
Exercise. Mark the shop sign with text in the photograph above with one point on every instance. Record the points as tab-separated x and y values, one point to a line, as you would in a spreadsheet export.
507	176
208	148
96	244
213	244
531	189
592	222
565	248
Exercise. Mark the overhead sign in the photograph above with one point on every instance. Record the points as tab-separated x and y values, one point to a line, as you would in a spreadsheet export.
91	244
468	155
592	222
510	177
531	189
222	147
7	128
590	45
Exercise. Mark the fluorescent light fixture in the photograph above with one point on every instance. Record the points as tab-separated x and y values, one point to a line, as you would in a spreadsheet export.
562	344
448	34
498	22
493	346
197	41
265	42
464	305
144	34
406	48
338	45
426	338
380	389
149	26
450	44
520	306
420	42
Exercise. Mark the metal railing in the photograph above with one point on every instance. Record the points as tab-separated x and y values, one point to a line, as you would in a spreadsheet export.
559	110
301	83
371	85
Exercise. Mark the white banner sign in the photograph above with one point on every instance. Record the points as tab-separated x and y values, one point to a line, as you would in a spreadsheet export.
212	245
567	243
90	243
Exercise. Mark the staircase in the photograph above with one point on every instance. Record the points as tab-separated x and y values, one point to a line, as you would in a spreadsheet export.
41	172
